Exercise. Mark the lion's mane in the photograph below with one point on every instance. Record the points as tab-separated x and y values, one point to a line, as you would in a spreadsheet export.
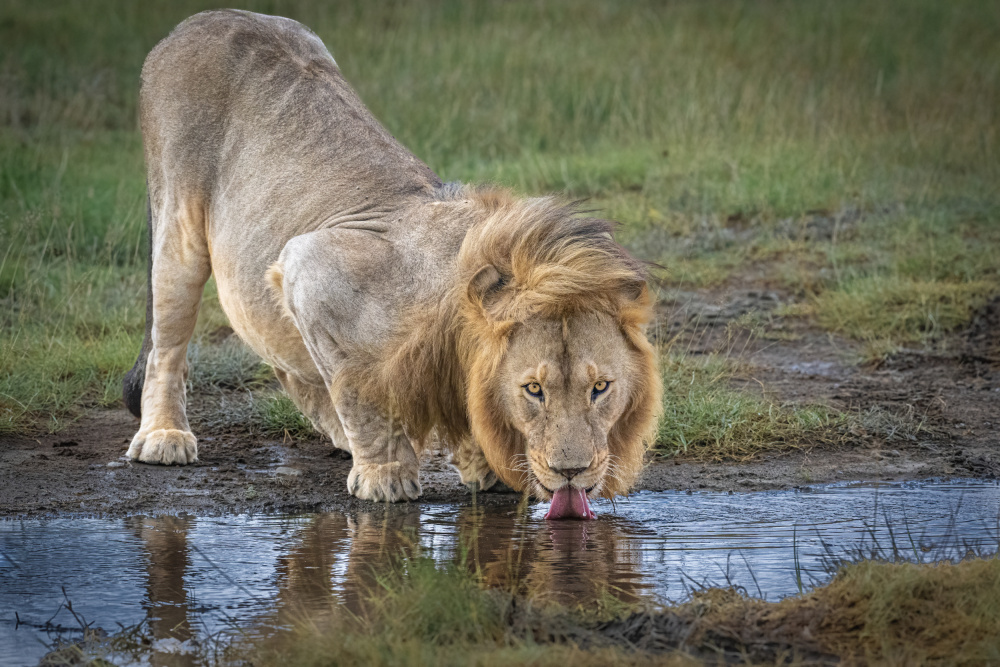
439	371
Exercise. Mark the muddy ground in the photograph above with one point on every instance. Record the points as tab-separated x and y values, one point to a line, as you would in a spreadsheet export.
930	413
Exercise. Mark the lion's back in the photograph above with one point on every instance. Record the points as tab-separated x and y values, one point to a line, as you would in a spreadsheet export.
243	102
194	86
214	55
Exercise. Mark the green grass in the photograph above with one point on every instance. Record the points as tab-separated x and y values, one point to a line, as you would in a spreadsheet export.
67	338
704	417
716	132
275	414
886	311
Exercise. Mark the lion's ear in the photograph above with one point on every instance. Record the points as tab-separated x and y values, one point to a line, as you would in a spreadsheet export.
635	290
636	307
486	286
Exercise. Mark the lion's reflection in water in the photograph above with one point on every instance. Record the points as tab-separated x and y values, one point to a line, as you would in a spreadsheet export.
569	561
168	607
334	561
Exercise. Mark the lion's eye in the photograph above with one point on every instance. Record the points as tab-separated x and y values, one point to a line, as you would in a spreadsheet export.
534	389
600	387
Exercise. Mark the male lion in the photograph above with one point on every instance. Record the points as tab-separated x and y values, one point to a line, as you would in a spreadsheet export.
389	304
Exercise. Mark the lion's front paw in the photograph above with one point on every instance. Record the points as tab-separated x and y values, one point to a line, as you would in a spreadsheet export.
164	447
496	486
472	467
384	481
484	483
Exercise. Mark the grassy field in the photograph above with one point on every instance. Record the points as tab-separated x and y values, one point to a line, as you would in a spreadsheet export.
849	147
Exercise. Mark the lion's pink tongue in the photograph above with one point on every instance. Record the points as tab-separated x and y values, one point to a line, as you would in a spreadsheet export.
570	503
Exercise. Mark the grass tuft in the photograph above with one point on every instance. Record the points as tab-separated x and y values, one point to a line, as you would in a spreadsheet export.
276	414
226	366
704	417
886	312
903	613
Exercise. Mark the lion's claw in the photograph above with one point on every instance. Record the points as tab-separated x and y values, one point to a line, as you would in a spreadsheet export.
384	481
164	447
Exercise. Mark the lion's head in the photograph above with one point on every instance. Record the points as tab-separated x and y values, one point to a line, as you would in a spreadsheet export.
561	382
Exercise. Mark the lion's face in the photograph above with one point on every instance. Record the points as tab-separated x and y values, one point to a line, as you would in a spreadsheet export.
562	391
564	383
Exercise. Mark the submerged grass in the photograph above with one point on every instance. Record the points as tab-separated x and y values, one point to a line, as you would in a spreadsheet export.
717	133
441	617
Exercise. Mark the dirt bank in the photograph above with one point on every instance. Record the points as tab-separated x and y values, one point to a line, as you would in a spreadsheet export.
925	414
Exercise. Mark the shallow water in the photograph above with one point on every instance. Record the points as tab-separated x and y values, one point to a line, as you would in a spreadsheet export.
191	576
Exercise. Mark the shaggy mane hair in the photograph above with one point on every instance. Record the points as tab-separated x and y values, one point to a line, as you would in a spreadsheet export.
550	262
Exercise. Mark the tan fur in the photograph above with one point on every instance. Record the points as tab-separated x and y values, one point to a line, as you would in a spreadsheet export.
390	304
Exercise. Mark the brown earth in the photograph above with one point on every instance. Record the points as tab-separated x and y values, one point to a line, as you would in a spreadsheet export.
927	413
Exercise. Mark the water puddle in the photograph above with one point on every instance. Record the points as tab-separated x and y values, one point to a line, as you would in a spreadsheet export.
189	577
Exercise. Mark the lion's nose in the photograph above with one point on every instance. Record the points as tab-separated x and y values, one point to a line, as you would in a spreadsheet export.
568	473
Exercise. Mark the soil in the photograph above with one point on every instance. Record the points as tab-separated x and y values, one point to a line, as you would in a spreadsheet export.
927	413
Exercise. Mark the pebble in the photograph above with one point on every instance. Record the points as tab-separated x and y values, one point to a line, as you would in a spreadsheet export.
285	470
116	464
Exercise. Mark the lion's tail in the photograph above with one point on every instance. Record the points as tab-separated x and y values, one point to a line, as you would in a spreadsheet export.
134	379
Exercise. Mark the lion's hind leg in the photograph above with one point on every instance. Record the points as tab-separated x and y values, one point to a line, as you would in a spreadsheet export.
179	270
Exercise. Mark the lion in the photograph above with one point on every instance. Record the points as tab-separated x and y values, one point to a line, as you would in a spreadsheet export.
394	308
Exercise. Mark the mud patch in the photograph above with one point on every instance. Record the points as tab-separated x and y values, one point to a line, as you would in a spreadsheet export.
917	414
236	473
